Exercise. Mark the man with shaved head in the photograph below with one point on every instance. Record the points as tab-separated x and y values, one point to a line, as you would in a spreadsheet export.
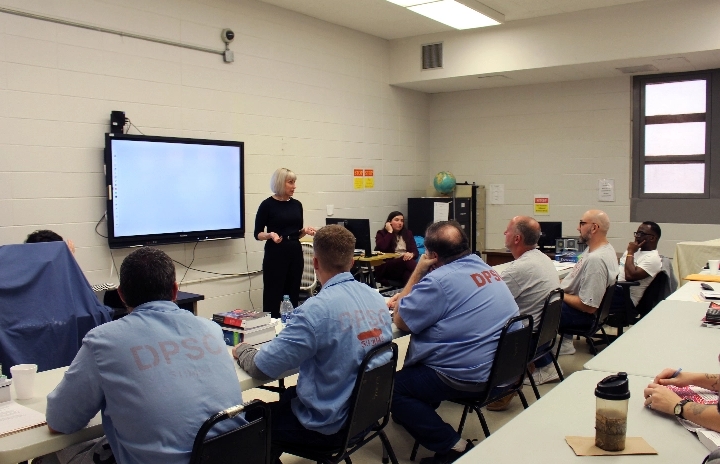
530	277
596	269
455	307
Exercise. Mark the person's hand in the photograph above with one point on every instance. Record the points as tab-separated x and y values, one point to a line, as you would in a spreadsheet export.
666	378
309	231
425	264
275	237
238	348
633	247
388	227
393	301
407	256
70	245
660	399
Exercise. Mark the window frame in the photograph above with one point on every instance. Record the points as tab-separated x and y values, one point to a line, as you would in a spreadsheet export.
691	208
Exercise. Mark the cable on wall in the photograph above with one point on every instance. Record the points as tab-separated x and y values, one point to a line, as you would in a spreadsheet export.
91	27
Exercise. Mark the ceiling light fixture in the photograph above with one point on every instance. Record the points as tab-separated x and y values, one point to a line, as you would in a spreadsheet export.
460	14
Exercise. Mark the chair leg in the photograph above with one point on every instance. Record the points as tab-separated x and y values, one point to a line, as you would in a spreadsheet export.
590	342
388	449
557	353
532	383
348	460
485	428
557	368
522	398
462	419
605	336
413	453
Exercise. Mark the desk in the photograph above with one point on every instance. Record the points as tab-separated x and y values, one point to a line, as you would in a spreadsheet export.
690	257
498	256
669	336
538	433
372	261
689	292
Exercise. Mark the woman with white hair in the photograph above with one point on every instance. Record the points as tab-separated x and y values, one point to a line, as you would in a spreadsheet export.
279	221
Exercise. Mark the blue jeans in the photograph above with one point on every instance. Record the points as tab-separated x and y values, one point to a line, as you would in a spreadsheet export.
571	318
418	393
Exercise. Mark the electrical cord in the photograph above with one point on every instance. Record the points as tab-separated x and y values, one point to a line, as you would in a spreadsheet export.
98	224
191	263
130	124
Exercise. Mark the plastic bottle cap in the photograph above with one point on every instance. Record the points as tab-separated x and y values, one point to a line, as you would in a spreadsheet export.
614	387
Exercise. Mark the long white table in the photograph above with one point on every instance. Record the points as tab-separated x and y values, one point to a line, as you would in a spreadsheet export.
538	433
669	336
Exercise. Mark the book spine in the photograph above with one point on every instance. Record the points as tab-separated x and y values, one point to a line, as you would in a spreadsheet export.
230	321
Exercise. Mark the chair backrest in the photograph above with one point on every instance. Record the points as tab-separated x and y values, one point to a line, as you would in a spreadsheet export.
512	351
372	394
247	444
549	322
658	290
604	310
308	282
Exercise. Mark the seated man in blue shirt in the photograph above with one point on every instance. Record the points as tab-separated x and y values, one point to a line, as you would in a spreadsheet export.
155	375
327	337
455	307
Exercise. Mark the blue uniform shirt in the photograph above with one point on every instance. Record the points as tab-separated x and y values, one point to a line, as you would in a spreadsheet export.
328	337
156	375
455	314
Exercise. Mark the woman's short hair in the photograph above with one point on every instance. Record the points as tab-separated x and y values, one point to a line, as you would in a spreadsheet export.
278	179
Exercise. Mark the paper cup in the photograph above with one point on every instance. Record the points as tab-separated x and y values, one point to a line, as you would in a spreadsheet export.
713	265
23	378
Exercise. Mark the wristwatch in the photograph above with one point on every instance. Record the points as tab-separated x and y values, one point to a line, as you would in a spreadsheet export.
679	407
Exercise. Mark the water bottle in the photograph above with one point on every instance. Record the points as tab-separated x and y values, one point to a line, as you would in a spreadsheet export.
285	309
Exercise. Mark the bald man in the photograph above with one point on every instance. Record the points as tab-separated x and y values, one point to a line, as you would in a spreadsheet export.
530	277
596	269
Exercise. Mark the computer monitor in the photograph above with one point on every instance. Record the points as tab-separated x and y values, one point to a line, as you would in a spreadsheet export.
360	228
549	231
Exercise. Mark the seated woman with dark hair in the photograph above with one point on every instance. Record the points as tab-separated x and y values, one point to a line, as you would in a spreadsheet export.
396	238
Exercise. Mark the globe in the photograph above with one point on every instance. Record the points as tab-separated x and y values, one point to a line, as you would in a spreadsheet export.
444	182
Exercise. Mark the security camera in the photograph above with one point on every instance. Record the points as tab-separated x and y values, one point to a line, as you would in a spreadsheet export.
227	35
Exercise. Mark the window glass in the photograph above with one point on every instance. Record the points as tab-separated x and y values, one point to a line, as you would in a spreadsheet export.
675	178
684	97
687	138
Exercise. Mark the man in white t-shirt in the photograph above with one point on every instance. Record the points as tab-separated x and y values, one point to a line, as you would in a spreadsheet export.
640	263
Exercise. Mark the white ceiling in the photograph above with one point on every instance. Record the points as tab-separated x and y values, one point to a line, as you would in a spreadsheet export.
389	21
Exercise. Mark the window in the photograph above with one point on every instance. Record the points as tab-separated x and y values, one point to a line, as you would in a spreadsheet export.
676	165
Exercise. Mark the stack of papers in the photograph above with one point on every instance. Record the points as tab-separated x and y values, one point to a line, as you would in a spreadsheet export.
708	295
15	417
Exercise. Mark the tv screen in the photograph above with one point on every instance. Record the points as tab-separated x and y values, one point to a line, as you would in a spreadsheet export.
360	228
173	190
549	231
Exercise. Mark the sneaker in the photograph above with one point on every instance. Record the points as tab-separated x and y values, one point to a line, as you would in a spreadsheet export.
446	458
543	375
567	346
501	404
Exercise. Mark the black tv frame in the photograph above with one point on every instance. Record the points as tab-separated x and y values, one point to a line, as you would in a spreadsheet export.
360	228
549	231
115	242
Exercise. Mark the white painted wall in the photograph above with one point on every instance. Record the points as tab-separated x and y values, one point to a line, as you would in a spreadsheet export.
557	139
302	94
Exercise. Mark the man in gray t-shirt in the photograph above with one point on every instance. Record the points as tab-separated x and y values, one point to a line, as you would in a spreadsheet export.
595	270
530	278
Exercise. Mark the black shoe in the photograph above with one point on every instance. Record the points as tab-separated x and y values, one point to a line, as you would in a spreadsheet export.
446	458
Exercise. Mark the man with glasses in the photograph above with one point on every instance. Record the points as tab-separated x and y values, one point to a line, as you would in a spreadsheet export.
640	263
595	270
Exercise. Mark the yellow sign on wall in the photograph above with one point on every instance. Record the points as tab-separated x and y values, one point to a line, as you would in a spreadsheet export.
363	178
541	205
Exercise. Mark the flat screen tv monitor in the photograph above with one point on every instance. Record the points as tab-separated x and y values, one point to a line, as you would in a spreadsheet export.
360	228
173	190
549	231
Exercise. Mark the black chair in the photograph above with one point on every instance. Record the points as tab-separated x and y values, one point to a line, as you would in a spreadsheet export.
369	412
657	291
508	369
547	333
601	316
247	444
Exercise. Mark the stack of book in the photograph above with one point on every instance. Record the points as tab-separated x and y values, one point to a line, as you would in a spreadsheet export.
242	326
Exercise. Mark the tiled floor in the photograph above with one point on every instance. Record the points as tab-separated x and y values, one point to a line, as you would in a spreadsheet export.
401	441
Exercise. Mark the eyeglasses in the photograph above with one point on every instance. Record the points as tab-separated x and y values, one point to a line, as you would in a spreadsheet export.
582	223
643	234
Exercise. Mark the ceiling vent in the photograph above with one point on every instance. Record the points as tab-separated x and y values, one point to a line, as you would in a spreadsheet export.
432	57
637	69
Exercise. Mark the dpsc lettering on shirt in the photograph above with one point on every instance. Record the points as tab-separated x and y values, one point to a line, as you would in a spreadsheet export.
147	356
486	277
362	317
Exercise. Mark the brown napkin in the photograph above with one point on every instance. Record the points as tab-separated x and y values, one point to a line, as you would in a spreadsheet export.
585	446
703	277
